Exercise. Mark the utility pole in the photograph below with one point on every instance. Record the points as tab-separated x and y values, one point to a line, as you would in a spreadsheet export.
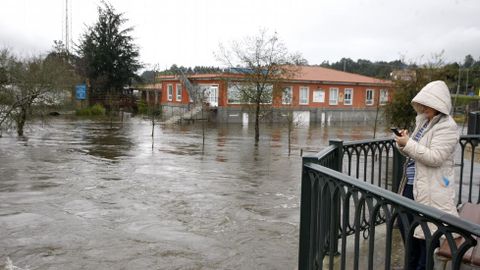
458	90
67	47
66	36
466	84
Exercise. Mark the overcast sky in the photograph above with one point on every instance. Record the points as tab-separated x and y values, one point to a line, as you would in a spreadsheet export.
187	32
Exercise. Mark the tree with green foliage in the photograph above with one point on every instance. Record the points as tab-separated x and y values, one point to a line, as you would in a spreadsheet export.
379	69
399	111
107	56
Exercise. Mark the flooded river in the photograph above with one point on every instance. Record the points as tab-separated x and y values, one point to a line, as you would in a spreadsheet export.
80	194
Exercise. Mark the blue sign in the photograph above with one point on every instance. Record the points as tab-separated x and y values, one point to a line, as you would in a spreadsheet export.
81	91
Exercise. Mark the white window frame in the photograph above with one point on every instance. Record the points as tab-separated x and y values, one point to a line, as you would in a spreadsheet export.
345	96
369	102
234	94
178	93
383	96
267	94
287	95
332	101
315	96
170	92
306	90
206	89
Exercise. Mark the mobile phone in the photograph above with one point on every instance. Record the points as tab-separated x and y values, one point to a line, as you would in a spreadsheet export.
396	131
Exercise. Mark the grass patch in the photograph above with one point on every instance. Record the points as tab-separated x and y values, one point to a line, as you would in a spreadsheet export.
459	119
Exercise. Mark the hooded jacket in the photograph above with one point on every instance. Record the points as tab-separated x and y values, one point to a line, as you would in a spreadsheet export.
434	153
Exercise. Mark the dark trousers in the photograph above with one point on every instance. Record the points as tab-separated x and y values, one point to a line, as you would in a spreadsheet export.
418	252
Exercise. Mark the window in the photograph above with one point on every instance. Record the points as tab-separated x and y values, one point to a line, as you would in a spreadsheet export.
347	96
287	95
239	93
369	97
266	97
303	95
233	94
333	97
179	92
170	92
383	96
210	94
319	96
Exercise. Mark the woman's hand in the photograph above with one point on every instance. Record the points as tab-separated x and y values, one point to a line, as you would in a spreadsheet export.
402	140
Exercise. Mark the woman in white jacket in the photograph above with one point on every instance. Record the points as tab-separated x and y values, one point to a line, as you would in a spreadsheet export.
429	172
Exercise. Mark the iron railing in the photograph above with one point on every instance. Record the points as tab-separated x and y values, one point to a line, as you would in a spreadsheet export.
336	206
374	161
468	143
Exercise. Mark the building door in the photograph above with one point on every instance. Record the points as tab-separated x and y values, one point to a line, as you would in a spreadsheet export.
211	95
301	117
245	119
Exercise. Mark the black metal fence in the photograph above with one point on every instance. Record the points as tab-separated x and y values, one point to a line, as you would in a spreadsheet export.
469	191
340	211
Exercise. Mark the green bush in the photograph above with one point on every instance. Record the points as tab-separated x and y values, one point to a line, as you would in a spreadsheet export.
463	100
95	110
142	107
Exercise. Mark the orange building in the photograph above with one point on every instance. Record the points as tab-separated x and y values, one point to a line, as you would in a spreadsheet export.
317	93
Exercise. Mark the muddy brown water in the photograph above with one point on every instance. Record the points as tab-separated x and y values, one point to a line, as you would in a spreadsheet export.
79	194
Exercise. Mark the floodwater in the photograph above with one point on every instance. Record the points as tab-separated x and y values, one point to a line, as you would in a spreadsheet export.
80	194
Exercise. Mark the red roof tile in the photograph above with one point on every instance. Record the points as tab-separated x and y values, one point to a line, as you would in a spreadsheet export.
311	73
306	73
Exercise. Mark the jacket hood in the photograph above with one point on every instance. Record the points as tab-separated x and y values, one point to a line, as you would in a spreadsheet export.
435	95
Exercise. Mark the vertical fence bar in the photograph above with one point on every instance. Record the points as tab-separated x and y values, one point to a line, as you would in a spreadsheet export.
398	161
335	202
386	168
306	222
462	166
472	164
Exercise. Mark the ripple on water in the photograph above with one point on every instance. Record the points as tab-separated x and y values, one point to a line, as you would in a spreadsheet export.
82	194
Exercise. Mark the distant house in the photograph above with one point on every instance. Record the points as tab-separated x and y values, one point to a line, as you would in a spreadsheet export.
403	75
318	94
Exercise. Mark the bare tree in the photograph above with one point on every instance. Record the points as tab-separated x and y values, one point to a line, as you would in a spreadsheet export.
262	61
154	109
292	121
31	86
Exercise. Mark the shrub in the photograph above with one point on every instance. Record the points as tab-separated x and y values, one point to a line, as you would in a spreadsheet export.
463	100
142	107
95	110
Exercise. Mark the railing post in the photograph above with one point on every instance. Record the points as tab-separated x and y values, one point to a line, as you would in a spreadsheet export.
338	162
398	161
305	255
334	207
